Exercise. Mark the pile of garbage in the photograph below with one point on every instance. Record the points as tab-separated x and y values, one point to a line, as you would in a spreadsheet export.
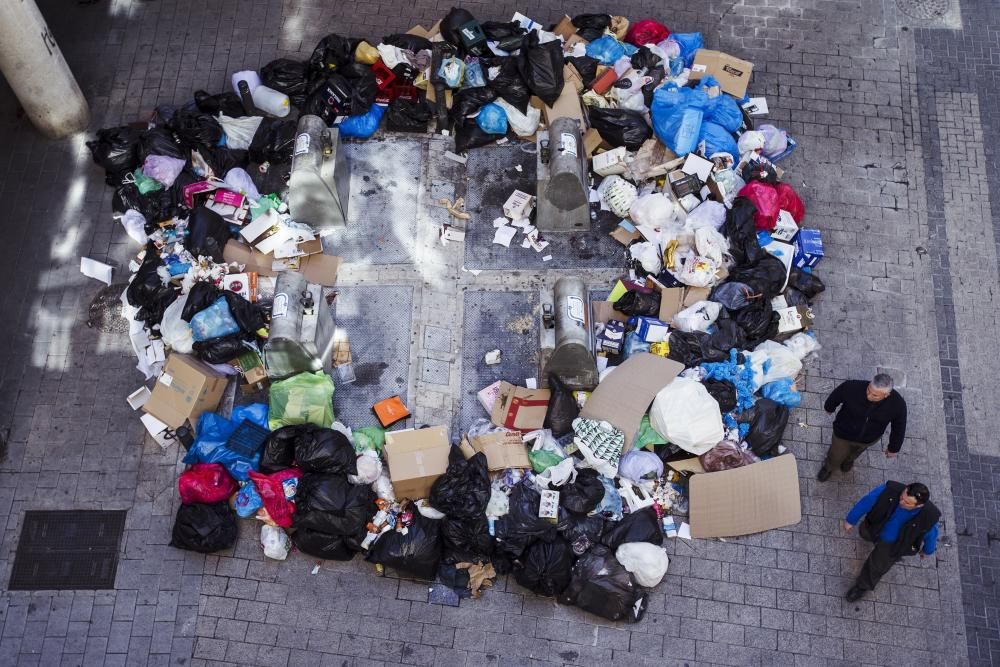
571	487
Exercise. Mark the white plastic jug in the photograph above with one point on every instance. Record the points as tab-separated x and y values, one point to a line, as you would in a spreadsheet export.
249	75
270	101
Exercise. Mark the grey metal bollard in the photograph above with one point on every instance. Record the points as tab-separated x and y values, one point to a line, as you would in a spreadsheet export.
572	360
320	183
563	200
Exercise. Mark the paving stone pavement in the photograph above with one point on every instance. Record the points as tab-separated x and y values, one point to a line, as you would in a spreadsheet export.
897	133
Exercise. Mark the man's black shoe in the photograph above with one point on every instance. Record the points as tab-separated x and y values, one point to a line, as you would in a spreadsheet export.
823	474
854	594
846	466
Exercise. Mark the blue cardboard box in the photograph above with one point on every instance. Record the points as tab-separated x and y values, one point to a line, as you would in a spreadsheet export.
650	329
808	248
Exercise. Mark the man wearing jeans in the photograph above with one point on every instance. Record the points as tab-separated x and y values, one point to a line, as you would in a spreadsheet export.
864	411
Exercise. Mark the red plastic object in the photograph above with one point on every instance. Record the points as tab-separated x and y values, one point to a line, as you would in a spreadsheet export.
383	75
272	493
765	198
789	201
647	31
206	483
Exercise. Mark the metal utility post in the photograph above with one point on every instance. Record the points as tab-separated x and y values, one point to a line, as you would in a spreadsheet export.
35	68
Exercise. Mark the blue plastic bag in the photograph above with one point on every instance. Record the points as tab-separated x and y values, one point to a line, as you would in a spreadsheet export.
689	43
633	344
606	49
492	119
473	74
363	126
248	501
677	115
610	506
718	140
214	322
213	433
725	111
782	391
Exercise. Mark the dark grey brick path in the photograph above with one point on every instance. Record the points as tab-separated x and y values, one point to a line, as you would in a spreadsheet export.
860	96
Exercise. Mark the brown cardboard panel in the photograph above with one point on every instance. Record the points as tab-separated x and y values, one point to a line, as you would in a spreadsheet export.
692	464
319	268
624	236
502	449
693	295
671	302
567	106
187	388
519	408
733	74
565	28
624	396
592	140
758	497
416	458
604	312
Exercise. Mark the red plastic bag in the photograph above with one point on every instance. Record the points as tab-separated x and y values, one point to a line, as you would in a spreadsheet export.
206	483
272	492
765	198
789	201
647	31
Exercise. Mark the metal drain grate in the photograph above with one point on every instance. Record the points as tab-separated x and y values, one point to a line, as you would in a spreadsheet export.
67	550
106	310
924	10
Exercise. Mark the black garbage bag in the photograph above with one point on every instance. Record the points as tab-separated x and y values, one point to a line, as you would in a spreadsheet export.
279	449
161	205
562	408
273	179
126	197
318	544
147	291
287	76
741	233
229	104
468	102
452	22
332	505
586	67
583	494
195	129
408	42
639	303
621	127
767	420
205	528
207	233
686	347
656	76
591	26
726	335
332	97
464	489
603	587
766	277
508	82
159	141
806	282
793	297
469	135
759	171
223	158
332	52
418	552
249	316
116	150
319	449
758	321
219	350
467	540
734	295
542	67
200	296
641	526
723	392
364	87
546	567
645	59
508	36
273	141
580	530
522	525
406	116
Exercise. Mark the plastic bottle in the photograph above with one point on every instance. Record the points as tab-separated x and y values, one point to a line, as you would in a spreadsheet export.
248	75
270	101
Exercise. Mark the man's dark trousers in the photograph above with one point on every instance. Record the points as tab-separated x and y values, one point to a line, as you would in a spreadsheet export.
878	563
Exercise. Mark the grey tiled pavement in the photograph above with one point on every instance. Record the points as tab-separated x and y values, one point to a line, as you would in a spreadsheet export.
873	106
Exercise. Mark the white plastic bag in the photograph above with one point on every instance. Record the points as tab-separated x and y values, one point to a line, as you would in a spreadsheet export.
648	255
640	466
802	344
698	316
275	542
239	131
710	214
499	504
775	140
238	179
426	510
369	468
162	168
685	414
176	333
524	125
655	210
647	562
711	244
697	272
135	225
557	475
618	194
784	363
383	487
751	140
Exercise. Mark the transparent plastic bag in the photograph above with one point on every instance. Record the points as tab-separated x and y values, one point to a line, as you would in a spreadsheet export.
306	398
164	169
215	321
698	316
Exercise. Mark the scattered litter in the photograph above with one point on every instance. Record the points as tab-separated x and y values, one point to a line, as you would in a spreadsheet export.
455	210
504	235
493	357
96	270
455	158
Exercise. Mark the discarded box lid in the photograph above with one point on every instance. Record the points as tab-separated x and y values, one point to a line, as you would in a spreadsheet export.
746	500
503	449
808	248
519	408
186	388
733	74
416	458
317	268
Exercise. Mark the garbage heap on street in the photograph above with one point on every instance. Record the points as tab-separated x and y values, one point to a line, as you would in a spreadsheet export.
663	407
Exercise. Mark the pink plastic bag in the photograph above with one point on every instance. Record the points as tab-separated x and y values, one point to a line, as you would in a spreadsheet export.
162	168
789	201
272	491
725	456
765	198
206	483
647	31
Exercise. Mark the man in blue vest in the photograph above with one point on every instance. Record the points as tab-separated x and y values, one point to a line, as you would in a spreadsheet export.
901	521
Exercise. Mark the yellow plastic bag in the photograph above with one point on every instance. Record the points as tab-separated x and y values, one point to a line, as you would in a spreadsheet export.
366	54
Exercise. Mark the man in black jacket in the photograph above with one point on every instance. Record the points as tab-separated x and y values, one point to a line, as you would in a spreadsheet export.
901	521
865	410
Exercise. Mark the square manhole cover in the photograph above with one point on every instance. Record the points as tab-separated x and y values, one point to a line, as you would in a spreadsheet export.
67	550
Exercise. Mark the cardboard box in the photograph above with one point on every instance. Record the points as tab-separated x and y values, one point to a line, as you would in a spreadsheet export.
503	450
416	458
603	312
651	330
808	248
567	105
696	165
758	497
732	73
565	28
675	299
786	228
625	233
518	205
520	409
186	388
244	284
610	162
624	396
592	140
318	268
789	320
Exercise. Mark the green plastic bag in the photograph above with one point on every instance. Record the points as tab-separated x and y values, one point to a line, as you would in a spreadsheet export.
306	398
369	438
647	435
263	205
543	459
145	183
